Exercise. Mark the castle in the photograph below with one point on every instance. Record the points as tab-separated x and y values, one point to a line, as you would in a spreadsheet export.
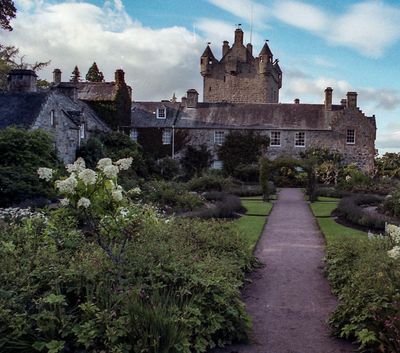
241	92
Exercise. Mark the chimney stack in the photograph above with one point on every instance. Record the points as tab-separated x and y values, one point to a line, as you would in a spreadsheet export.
297	101
343	102
22	81
225	47
56	76
249	48
352	100
192	98
239	36
328	98
119	77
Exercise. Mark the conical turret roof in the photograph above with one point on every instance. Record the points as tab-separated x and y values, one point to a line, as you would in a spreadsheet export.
208	53
266	50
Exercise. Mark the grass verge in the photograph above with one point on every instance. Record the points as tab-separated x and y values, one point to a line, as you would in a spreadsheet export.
252	223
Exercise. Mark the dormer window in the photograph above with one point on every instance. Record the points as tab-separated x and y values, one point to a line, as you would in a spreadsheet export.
161	113
52	118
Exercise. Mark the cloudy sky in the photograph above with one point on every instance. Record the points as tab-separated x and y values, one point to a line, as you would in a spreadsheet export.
348	45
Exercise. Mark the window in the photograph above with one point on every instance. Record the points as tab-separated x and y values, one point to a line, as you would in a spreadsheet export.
351	137
275	138
166	137
161	113
82	132
300	139
134	135
52	120
219	137
217	165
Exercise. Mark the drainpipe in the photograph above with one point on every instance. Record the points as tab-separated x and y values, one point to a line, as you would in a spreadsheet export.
173	141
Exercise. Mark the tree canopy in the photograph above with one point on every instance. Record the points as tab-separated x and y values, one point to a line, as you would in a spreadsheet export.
94	74
7	13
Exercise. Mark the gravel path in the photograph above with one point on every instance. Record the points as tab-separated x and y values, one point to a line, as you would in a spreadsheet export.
289	299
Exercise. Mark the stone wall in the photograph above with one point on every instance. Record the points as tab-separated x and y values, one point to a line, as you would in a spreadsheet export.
65	132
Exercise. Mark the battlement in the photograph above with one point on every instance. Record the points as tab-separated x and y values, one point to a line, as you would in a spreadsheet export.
239	77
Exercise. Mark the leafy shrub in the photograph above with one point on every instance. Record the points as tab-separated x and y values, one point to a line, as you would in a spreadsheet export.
246	190
177	289
367	281
287	172
351	209
391	205
209	182
170	196
196	160
223	206
22	153
249	173
168	168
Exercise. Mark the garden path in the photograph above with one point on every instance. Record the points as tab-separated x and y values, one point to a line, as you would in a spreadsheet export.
289	298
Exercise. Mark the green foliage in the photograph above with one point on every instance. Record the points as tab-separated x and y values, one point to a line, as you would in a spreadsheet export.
179	288
170	196
353	209
115	145
210	182
287	172
168	168
241	148
248	173
391	204
196	160
367	282
265	174
94	74
7	13
23	152
388	165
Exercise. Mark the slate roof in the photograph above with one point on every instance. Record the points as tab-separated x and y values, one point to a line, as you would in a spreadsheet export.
97	91
235	116
20	109
144	114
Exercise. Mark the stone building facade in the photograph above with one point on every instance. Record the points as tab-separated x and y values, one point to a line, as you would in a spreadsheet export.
239	77
57	110
240	102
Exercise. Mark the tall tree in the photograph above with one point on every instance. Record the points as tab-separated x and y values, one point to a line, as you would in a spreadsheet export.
10	59
76	75
94	74
7	12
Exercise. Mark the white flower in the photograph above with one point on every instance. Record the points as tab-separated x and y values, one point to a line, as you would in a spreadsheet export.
77	167
124	212
348	177
111	171
104	162
394	253
84	202
135	191
124	163
393	232
117	195
68	185
88	176
64	202
45	173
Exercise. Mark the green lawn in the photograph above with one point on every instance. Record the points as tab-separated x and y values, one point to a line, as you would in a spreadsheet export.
332	230
252	223
328	199
323	209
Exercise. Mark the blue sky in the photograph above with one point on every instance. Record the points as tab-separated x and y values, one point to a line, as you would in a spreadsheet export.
348	45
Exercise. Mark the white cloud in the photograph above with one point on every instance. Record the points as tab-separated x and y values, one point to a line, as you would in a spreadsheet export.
301	15
369	27
245	9
389	140
157	62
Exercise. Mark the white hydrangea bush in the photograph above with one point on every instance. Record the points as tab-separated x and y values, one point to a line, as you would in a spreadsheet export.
393	233
97	199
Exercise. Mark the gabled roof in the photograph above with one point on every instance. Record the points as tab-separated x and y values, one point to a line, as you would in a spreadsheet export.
265	50
20	109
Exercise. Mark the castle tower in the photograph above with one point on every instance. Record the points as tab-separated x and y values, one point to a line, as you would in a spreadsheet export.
239	77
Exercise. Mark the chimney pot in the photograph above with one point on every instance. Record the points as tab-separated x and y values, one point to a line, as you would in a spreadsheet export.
192	98
225	47
239	36
328	98
352	100
343	102
249	48
297	101
22	81
119	77
57	76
